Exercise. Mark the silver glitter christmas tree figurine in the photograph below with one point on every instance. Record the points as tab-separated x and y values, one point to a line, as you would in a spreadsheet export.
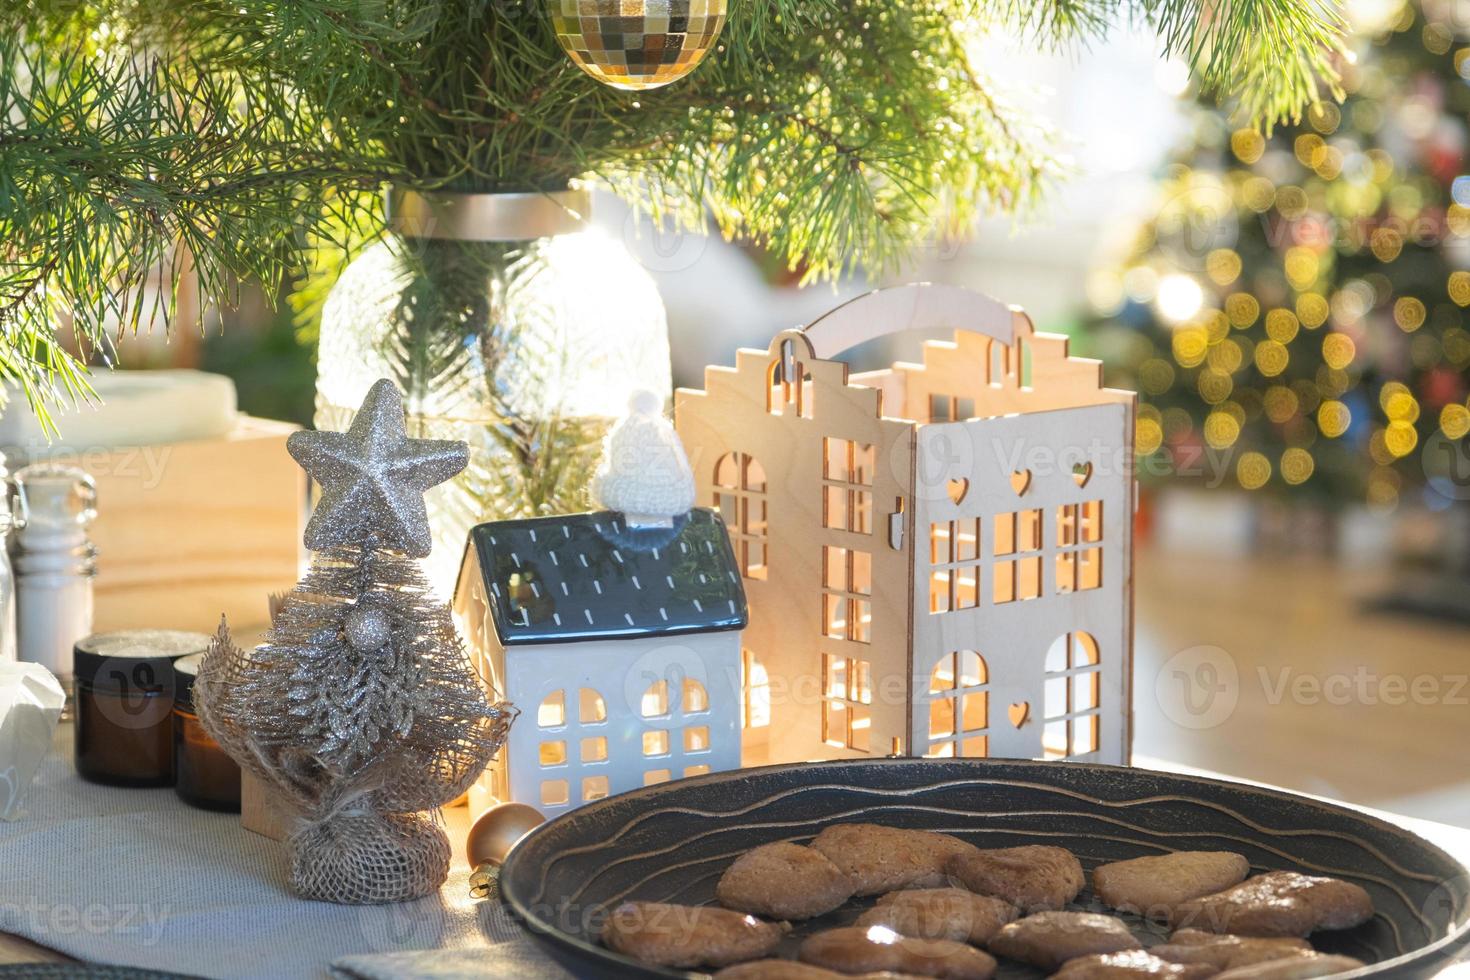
361	709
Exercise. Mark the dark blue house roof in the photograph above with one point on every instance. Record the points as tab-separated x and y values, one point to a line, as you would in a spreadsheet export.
590	576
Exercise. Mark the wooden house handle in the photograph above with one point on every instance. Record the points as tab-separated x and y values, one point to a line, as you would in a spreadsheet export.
917	306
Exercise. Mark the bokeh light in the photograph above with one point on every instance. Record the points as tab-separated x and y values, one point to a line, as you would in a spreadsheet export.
1333	418
1271	358
1454	421
1297	466
1179	297
1221	430
1409	313
1253	470
1338	350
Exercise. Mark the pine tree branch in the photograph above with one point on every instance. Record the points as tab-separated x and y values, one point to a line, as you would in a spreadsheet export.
840	134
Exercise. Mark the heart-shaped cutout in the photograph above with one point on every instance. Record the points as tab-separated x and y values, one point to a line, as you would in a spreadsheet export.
1019	712
1081	473
1021	481
958	487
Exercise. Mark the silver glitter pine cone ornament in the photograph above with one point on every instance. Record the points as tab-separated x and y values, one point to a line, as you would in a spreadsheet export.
637	44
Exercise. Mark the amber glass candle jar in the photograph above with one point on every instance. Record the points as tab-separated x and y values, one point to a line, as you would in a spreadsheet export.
203	775
125	703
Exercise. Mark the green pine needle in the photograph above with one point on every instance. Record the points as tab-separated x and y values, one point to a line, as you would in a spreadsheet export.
253	136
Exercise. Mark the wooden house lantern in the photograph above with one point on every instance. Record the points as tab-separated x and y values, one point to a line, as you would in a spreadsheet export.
937	556
616	634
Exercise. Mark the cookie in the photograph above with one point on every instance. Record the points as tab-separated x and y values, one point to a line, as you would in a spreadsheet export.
688	935
940	913
1279	903
1034	877
1154	886
1225	952
792	970
1130	964
783	881
882	859
1049	939
855	949
1300	967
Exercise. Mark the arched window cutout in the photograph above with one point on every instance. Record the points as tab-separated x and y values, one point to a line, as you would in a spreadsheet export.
1056	656
740	497
1072	696
591	707
553	710
727	472
696	698
959	706
676	715
655	701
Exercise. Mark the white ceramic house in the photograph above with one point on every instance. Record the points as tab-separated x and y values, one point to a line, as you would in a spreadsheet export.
620	646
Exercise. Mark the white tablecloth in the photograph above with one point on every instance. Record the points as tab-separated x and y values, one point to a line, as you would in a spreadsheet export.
134	877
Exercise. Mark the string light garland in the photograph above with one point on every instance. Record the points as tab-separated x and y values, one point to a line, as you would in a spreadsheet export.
1298	300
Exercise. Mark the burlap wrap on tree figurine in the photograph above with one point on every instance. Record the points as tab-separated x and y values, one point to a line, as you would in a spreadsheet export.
361	709
369	858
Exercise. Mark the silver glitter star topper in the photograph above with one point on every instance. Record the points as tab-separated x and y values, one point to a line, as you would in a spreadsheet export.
373	477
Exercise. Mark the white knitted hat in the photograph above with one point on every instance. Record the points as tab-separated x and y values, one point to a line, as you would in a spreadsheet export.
644	472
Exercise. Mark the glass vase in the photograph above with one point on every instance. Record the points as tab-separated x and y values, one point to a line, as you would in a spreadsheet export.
509	323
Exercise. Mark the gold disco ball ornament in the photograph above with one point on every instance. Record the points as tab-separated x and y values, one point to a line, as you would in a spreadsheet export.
637	44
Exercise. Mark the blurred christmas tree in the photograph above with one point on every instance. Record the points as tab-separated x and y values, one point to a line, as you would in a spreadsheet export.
1294	312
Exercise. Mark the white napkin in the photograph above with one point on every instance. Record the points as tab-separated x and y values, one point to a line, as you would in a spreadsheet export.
30	704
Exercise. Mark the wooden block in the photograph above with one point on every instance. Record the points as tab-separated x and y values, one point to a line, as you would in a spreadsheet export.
189	531
261	811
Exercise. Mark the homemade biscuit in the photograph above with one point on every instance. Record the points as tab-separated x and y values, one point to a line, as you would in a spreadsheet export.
1279	903
1300	967
783	881
1225	952
855	949
1049	939
1128	965
1035	877
940	913
1154	886
881	859
792	970
688	935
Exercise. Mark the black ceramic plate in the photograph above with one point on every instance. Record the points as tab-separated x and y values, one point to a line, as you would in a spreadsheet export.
670	843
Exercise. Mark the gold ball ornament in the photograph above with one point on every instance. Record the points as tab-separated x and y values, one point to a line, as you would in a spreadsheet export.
637	44
490	839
